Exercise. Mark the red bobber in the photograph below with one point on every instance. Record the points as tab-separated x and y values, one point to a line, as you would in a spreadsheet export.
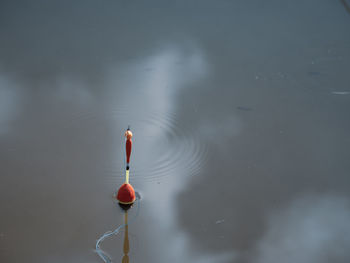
126	194
128	144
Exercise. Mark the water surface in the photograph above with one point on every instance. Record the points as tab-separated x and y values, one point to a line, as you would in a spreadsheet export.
240	115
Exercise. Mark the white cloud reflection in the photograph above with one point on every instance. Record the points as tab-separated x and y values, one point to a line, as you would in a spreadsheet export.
314	229
71	89
173	70
155	83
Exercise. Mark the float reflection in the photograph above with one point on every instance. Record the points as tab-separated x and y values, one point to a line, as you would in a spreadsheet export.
126	245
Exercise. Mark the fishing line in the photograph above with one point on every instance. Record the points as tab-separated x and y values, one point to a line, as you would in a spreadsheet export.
103	255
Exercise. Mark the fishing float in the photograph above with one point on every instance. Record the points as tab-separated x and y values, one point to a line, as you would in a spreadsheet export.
126	193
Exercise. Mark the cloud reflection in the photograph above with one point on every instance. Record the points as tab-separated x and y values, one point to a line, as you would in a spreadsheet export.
73	90
157	80
312	229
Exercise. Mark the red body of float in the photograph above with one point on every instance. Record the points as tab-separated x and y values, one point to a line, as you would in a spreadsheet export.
128	146
126	194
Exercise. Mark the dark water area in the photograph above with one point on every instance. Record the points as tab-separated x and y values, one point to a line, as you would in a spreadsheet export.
240	115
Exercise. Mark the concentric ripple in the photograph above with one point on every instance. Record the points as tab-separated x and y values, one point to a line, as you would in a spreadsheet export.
161	147
178	151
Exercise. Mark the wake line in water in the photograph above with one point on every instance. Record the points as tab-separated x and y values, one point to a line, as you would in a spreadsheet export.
103	255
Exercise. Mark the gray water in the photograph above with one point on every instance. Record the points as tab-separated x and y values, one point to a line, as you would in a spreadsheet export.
240	115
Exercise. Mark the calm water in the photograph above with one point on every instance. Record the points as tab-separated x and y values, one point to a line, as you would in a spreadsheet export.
240	114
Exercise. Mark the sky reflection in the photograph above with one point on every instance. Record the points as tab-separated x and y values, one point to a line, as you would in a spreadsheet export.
9	103
240	113
159	79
